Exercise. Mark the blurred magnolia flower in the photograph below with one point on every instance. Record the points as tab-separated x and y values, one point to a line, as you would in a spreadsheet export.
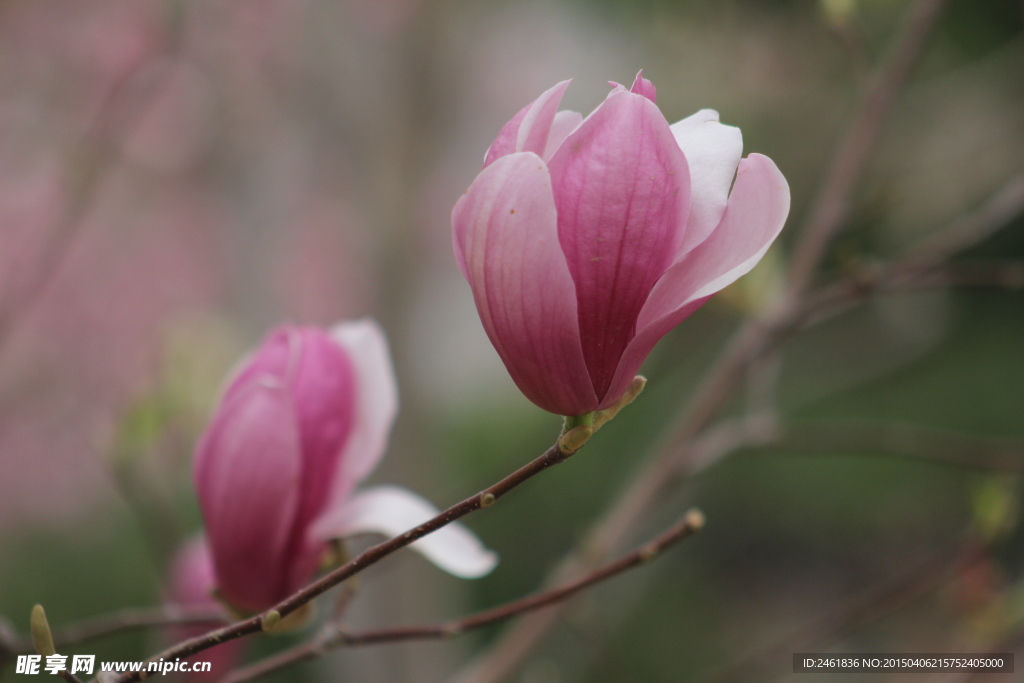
191	578
302	422
587	240
190	583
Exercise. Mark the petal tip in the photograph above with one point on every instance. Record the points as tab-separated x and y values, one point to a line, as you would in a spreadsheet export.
642	86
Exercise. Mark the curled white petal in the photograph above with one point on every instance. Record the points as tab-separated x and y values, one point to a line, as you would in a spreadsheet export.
713	152
391	510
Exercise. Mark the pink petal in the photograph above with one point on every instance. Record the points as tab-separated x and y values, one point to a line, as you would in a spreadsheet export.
642	86
390	510
268	362
376	401
565	122
536	126
321	381
622	193
505	143
758	207
713	152
191	579
247	474
506	242
529	128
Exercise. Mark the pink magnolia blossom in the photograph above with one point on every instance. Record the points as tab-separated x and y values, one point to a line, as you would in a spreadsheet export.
190	583
302	422
587	240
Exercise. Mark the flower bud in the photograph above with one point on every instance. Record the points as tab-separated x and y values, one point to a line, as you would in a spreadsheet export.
587	240
301	423
42	639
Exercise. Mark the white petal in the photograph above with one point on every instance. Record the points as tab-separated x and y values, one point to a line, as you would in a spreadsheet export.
536	125
391	510
712	152
758	208
376	400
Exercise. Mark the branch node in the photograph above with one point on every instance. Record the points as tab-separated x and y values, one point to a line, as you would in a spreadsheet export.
634	389
270	620
574	439
487	500
695	519
649	552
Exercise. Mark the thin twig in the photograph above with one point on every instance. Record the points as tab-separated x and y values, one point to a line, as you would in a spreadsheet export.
333	638
829	211
841	619
926	259
93	156
996	274
975	226
851	37
367	558
348	593
926	444
132	619
118	622
863	437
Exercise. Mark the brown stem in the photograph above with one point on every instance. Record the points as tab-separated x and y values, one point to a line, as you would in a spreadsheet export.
333	638
926	258
367	558
118	622
131	619
915	442
866	438
974	226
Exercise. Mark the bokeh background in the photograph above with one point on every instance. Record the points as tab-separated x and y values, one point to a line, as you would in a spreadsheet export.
177	177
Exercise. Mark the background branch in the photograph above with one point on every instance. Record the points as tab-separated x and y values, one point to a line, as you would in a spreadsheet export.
870	438
133	619
925	262
94	156
830	209
332	637
841	619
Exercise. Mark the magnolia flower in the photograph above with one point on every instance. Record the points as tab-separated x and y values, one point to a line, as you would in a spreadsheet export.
190	583
301	423
587	240
191	580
